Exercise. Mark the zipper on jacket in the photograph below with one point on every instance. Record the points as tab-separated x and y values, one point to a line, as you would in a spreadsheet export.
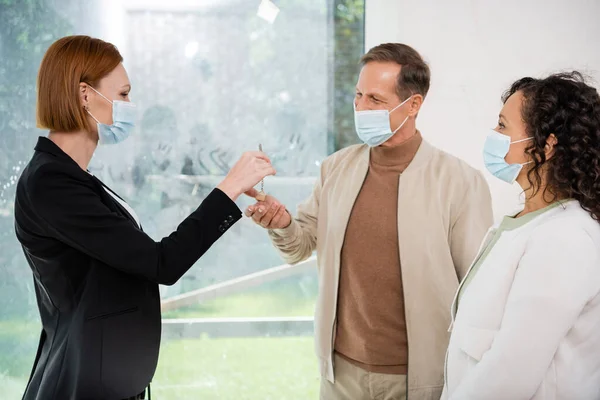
446	369
334	325
402	283
482	248
337	285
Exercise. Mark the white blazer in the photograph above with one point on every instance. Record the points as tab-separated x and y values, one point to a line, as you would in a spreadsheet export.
528	325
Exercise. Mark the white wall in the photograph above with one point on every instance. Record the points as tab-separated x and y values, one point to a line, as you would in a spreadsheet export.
476	49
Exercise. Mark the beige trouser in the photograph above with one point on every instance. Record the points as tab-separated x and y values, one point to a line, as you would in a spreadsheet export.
354	383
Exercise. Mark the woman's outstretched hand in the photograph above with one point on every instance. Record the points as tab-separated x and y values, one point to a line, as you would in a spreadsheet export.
250	169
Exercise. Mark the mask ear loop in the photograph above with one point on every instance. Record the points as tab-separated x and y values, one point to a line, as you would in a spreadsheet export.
401	125
91	115
401	104
522	140
398	106
103	96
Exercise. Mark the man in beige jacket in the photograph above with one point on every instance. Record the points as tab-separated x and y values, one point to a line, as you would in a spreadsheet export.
396	223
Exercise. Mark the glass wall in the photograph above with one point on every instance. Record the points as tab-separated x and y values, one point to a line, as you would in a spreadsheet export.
211	79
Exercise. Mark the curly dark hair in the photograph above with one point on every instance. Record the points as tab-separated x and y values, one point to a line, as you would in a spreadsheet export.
566	106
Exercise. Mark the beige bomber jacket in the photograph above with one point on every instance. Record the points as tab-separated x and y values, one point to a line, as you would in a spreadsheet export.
444	211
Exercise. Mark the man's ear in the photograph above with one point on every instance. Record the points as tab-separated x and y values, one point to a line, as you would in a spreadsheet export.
415	104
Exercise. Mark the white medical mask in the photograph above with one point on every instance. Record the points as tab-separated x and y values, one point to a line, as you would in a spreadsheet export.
373	126
495	150
123	114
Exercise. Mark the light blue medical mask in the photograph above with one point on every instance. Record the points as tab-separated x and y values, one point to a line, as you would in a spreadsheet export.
123	114
373	126
495	150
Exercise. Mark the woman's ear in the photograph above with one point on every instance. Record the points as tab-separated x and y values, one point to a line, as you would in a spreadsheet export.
83	94
550	144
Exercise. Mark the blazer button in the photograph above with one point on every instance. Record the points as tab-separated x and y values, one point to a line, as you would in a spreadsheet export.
222	228
230	219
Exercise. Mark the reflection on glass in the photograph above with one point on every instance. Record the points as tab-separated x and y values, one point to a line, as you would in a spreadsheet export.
211	81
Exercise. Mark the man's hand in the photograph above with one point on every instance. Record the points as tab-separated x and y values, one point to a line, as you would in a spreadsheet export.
270	213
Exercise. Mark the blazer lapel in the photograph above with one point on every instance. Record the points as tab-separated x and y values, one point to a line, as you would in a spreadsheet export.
103	188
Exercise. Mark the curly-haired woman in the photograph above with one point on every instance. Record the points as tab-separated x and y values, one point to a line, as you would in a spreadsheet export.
526	319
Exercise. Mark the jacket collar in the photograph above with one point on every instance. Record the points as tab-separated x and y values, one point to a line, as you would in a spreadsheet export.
422	157
46	145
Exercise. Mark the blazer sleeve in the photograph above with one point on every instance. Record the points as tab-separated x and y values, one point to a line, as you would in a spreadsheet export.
72	212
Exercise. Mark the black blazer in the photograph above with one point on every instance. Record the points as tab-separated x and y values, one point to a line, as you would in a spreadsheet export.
96	278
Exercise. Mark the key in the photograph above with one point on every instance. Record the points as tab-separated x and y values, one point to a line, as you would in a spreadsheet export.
261	196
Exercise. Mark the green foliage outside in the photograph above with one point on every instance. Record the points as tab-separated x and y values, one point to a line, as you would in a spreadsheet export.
349	19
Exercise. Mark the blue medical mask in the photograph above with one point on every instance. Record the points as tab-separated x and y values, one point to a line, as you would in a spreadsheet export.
495	150
123	114
373	126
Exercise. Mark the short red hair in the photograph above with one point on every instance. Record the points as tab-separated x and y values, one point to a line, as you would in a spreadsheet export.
68	62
